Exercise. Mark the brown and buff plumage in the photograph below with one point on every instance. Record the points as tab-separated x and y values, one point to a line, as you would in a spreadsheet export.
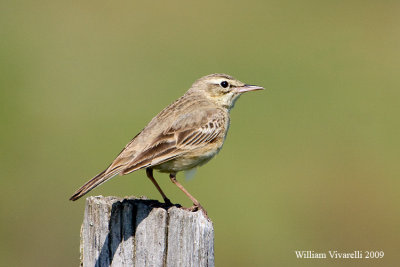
184	135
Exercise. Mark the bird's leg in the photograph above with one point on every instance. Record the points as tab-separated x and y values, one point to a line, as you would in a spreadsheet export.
149	172
196	203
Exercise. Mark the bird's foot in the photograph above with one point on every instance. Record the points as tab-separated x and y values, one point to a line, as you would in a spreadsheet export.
198	207
167	203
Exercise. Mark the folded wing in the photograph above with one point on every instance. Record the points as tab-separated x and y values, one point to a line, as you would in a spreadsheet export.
189	131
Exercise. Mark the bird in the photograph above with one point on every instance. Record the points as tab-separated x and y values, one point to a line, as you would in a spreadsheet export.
183	136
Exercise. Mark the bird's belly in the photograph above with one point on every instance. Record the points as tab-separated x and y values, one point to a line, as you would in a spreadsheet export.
186	162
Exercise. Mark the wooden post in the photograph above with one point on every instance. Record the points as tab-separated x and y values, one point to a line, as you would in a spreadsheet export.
140	232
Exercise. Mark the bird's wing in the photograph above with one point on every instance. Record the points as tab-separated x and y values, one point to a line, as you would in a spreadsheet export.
189	131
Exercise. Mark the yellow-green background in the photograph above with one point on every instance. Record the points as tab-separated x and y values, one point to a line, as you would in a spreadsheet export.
311	163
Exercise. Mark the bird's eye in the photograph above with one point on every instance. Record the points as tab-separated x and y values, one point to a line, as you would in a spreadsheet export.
224	84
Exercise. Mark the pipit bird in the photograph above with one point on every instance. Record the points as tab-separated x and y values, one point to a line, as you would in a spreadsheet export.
183	136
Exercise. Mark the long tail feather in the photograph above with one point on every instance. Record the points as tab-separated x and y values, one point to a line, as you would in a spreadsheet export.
96	181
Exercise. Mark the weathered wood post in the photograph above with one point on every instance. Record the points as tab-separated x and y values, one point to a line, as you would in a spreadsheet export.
140	232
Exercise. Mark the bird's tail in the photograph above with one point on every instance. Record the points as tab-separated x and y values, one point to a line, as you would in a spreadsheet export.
95	181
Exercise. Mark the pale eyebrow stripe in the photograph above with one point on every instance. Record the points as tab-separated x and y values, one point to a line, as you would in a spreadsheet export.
220	80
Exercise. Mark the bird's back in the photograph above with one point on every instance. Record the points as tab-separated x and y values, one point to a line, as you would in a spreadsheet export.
163	139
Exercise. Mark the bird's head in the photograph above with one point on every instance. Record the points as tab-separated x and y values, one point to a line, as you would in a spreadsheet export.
222	89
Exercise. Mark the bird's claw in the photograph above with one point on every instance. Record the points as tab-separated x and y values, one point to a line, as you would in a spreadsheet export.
168	202
198	207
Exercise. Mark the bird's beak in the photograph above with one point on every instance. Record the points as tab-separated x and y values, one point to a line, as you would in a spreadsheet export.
247	88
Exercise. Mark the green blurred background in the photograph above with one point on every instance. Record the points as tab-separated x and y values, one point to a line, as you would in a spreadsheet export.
311	163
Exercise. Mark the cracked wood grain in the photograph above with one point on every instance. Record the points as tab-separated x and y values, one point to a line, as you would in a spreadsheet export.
140	232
